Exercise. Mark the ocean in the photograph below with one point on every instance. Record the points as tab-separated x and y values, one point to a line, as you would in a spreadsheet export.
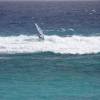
63	66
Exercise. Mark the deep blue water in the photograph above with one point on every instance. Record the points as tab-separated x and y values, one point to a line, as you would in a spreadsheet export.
52	74
19	17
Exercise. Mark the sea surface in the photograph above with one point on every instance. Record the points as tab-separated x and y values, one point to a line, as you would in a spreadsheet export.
63	66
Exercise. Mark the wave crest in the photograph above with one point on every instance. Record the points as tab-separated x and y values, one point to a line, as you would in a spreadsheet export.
53	43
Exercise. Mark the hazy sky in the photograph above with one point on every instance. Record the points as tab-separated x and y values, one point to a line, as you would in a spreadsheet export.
49	0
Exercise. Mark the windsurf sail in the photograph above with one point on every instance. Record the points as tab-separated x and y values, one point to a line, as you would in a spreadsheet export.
40	32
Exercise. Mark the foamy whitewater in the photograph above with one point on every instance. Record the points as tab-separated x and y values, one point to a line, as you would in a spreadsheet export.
53	43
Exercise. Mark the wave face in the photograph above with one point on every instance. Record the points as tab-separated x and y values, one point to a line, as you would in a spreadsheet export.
53	43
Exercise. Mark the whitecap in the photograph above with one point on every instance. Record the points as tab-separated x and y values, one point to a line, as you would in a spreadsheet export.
53	43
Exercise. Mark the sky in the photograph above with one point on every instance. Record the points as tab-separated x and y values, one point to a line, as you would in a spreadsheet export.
49	0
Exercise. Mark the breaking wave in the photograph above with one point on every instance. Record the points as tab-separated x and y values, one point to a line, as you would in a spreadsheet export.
53	43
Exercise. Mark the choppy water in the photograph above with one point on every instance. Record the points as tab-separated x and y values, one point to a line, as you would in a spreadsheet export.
65	66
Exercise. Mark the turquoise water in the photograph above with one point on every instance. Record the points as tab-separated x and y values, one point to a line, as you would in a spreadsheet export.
49	76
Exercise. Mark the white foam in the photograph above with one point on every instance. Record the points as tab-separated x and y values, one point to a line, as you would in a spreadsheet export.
71	29
93	10
53	43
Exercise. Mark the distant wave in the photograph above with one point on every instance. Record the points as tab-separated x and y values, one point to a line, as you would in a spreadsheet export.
53	43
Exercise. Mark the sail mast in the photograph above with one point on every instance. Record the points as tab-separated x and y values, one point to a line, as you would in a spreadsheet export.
40	32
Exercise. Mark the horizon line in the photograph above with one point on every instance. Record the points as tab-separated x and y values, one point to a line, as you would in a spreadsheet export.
49	0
